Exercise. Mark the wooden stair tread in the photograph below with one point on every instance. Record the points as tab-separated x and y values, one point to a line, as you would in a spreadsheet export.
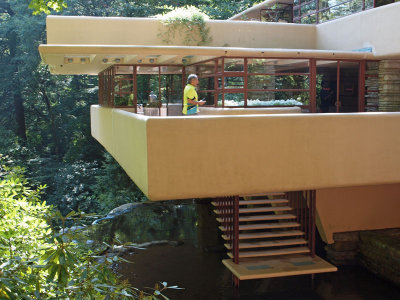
263	218
286	265
261	235
264	194
263	201
243	254
256	201
258	209
273	243
264	226
264	209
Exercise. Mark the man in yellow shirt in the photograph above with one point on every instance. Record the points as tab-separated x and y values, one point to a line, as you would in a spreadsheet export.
190	98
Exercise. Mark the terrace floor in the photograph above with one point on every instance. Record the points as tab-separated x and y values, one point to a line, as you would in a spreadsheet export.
279	266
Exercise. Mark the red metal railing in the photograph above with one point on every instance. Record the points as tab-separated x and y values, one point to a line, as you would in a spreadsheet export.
303	204
301	11
216	91
228	208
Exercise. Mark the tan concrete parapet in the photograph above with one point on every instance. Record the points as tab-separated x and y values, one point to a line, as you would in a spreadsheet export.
250	154
351	159
249	111
74	30
96	38
357	208
376	28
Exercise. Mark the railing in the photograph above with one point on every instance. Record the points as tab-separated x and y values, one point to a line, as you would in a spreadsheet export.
229	214
279	12
319	11
303	204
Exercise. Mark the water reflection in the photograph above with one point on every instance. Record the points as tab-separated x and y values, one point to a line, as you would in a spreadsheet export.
205	278
196	264
151	222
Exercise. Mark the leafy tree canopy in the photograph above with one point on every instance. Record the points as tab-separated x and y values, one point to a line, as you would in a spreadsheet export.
45	118
45	6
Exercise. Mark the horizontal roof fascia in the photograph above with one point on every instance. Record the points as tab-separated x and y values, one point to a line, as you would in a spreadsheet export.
53	55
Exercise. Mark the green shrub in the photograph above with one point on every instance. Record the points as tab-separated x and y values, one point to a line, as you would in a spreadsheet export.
38	261
188	22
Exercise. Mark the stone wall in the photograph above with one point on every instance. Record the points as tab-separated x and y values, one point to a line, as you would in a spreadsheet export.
344	250
380	254
389	85
376	250
372	86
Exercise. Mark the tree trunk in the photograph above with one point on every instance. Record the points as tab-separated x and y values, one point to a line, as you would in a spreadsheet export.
56	148
20	115
18	101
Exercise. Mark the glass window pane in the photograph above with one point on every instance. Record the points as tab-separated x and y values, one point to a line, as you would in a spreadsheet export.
233	99
147	70
123	99
278	82
312	19
233	64
145	85
123	86
233	82
206	83
308	8
369	4
277	98
326	85
208	96
171	70
279	12
171	88
207	68
123	69
219	103
271	66
190	70
336	11
327	3
219	67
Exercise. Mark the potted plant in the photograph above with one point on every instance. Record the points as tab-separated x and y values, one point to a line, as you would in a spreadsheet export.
152	109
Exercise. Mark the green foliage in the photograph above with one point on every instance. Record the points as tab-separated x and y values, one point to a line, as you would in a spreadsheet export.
55	115
45	6
38	261
188	22
224	9
113	187
154	104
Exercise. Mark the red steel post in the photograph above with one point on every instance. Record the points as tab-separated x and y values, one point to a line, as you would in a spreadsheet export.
361	86
236	229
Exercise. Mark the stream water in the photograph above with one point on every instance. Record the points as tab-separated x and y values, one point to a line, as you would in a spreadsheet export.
195	262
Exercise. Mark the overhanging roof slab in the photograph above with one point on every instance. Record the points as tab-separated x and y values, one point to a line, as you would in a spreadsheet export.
54	55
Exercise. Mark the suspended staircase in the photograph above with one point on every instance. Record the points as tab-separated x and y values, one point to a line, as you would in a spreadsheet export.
269	235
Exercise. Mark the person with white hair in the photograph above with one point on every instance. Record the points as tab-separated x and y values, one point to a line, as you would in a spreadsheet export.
190	98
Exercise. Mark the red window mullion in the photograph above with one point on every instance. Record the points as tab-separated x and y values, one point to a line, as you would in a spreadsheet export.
361	86
245	82
223	82
313	85
337	86
135	87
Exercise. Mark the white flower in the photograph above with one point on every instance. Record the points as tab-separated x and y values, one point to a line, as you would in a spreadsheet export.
257	102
